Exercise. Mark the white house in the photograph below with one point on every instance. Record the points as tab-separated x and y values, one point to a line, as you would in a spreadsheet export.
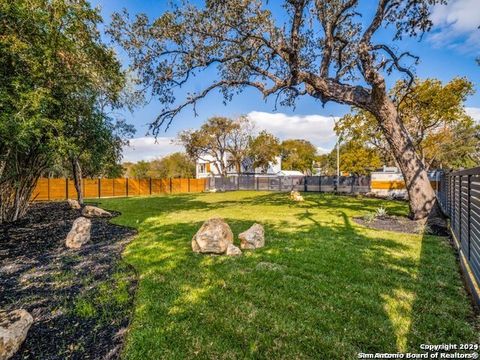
205	167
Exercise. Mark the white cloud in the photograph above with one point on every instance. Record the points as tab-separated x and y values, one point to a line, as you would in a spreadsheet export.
317	129
146	148
474	112
456	25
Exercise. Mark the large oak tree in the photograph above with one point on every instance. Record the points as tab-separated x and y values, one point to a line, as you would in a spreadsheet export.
324	49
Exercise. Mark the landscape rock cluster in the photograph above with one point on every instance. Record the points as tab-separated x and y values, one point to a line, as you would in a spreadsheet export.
216	237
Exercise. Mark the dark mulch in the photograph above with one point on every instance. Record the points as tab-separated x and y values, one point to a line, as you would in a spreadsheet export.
392	223
405	225
39	274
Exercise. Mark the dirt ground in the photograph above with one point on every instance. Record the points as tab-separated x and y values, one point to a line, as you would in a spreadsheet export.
81	300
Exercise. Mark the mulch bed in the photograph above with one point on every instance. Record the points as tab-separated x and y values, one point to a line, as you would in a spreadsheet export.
404	225
40	275
391	223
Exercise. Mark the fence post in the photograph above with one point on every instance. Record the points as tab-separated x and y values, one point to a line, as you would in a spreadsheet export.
319	183
257	182
279	183
99	188
188	180
150	185
238	182
66	188
126	183
305	188
170	185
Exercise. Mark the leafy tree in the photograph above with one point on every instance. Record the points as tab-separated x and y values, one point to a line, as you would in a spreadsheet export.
435	117
55	72
140	170
176	165
221	139
324	49
238	144
264	150
355	158
298	155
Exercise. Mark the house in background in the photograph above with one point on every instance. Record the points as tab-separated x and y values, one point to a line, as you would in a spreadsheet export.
205	167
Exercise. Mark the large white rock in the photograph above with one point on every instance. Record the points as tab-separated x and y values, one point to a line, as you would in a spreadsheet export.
14	326
79	234
213	237
73	204
233	250
93	211
252	238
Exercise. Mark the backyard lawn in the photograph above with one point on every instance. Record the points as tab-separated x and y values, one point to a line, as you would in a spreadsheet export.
322	287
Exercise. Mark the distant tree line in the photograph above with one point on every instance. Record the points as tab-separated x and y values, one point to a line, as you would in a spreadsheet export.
228	143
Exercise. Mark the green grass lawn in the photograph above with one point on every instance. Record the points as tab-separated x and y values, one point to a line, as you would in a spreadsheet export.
323	287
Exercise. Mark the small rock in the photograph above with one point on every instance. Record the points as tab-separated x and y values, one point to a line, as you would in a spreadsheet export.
233	250
14	326
252	238
79	234
93	211
213	237
295	196
73	204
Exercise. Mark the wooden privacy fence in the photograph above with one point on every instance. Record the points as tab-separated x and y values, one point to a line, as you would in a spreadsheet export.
459	198
62	189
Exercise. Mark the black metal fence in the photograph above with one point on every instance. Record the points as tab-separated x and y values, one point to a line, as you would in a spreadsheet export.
459	198
346	184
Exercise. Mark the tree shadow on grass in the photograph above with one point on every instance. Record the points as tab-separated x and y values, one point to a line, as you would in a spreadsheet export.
334	202
320	291
441	307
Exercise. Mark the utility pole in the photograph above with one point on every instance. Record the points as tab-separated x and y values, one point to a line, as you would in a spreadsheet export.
339	138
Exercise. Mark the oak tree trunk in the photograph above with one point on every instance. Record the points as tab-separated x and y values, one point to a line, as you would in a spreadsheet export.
77	179
422	198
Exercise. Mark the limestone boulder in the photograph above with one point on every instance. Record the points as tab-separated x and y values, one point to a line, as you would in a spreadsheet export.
253	238
93	211
213	237
14	326
79	235
73	204
233	250
295	196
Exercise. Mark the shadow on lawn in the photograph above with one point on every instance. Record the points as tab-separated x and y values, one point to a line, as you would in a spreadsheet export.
315	290
332	201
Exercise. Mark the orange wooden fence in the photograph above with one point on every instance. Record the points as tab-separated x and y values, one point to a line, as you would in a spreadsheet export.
61	189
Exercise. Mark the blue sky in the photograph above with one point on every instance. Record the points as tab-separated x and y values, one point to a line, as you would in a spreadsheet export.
449	50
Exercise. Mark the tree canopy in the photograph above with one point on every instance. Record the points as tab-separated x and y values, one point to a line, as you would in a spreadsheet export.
264	150
298	154
434	114
220	140
57	82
